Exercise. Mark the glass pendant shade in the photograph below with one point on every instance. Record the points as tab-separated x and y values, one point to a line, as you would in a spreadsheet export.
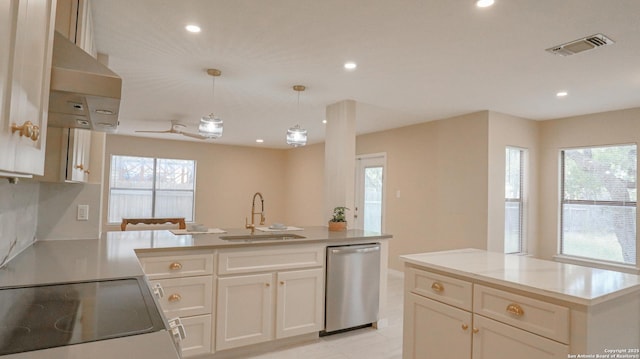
210	126
296	136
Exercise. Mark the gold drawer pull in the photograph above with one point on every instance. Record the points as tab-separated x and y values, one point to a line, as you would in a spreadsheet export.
28	129
437	286
80	167
175	297
267	284
87	171
515	310
175	266
465	327
281	282
476	330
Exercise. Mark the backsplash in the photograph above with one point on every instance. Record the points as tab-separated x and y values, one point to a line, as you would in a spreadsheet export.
18	217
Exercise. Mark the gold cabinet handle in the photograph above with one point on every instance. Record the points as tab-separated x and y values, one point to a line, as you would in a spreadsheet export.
465	327
515	310
281	282
437	286
475	330
87	171
175	266
175	297
80	167
267	285
28	129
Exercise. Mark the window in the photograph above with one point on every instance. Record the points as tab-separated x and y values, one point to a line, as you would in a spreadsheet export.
513	202
142	187
598	206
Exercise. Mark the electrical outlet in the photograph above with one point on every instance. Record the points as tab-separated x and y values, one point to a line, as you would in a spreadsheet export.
83	212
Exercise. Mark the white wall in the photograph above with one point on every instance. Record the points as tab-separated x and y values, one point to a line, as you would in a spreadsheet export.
18	216
607	128
506	130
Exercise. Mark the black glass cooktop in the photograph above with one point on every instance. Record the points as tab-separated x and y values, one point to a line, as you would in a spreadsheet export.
47	316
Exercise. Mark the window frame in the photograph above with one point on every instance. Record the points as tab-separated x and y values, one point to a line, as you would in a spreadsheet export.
590	261
154	188
520	200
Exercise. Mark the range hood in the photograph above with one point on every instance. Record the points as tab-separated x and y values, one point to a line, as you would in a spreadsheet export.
84	92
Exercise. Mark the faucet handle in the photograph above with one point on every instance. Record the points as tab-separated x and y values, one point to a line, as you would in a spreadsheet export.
247	224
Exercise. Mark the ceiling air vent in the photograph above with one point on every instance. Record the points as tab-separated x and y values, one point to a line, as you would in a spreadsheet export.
580	45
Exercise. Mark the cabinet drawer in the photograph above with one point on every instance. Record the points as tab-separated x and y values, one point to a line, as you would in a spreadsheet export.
175	266
269	259
186	296
445	289
536	316
198	339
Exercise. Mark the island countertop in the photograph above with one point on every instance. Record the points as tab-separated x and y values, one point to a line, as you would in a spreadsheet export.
114	254
567	282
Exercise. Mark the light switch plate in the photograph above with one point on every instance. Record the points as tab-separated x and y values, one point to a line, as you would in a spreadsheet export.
83	212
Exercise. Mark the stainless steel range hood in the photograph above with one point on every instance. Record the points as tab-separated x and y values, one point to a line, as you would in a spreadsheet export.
84	92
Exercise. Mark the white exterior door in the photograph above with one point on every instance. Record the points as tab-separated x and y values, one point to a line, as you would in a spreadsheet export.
369	194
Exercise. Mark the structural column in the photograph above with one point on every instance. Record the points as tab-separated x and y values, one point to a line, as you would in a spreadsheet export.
340	154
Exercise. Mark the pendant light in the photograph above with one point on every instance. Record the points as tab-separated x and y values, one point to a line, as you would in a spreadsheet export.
297	136
210	125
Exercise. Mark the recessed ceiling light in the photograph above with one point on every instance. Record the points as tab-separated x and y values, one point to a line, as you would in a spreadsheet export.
484	3
350	65
192	28
260	140
562	94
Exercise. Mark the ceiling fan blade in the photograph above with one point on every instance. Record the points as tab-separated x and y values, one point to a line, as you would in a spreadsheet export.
166	131
195	135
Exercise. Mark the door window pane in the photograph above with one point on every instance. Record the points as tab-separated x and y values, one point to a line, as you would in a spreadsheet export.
373	199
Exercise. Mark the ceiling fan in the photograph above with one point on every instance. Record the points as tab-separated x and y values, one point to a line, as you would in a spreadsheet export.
178	128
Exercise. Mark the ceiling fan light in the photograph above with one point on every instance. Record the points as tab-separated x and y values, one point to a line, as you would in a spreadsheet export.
296	136
211	126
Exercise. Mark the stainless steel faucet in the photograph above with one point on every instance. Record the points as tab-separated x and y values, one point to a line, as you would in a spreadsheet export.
252	226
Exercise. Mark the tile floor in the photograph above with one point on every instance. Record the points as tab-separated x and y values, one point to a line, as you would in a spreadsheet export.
385	343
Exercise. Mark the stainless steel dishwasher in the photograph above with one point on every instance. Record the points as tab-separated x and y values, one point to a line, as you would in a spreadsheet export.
353	286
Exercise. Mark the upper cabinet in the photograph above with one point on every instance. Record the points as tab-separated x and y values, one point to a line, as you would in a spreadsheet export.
26	39
74	20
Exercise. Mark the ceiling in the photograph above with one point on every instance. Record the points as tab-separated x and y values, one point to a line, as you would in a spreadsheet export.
418	60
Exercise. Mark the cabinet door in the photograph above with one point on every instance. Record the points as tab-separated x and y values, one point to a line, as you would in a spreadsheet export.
300	302
244	310
495	340
7	34
30	70
78	155
198	339
433	330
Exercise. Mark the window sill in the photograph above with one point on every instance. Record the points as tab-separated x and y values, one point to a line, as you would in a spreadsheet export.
596	264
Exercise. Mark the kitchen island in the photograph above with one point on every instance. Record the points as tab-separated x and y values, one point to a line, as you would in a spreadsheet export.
280	274
492	305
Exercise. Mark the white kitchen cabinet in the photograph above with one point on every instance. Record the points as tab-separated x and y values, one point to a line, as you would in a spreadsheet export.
244	314
299	302
186	278
76	154
75	22
442	321
25	70
435	330
268	294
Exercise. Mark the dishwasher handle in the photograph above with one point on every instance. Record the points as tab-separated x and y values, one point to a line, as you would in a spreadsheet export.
355	249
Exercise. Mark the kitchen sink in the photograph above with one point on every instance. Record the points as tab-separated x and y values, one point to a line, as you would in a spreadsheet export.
262	237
